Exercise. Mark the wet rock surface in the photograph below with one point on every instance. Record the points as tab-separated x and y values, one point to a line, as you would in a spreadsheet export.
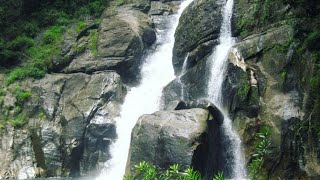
189	137
67	112
197	33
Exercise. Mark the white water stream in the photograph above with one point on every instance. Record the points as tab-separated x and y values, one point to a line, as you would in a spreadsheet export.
157	72
183	71
218	67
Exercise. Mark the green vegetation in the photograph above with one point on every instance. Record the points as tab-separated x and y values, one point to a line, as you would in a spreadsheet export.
93	42
219	176
81	25
31	39
38	56
244	87
266	11
312	41
14	115
146	171
284	75
257	15
263	143
19	121
42	115
23	52
21	95
22	73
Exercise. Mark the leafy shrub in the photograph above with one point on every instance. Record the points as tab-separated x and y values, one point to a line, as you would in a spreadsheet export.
17	45
263	143
52	34
17	110
93	42
19	121
21	43
244	87
146	171
96	8
48	17
80	26
312	41
21	95
63	20
29	28
219	176
22	73
39	56
82	12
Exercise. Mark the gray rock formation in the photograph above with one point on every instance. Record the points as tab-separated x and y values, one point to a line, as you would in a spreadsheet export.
193	87
263	88
197	33
166	138
123	35
195	38
67	125
161	8
189	137
70	127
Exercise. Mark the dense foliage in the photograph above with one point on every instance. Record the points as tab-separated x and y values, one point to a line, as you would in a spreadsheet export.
31	32
147	171
262	149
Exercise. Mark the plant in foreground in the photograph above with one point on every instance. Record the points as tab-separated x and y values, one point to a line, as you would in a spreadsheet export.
262	150
146	171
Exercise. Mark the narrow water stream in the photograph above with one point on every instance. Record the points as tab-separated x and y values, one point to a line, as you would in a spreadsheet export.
157	72
183	71
219	59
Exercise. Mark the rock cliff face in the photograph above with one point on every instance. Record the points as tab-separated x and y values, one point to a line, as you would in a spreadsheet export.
195	38
63	124
122	37
266	80
68	122
65	112
264	85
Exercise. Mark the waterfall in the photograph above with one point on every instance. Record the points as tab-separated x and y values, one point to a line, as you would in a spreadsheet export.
218	67
157	72
183	71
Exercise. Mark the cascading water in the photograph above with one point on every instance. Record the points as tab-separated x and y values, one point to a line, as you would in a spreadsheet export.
218	67
184	68
157	71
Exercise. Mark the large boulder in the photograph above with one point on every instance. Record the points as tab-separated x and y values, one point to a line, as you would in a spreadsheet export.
165	138
117	43
197	32
123	36
189	137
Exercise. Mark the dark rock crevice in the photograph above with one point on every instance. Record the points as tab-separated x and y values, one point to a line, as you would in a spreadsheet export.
75	157
56	106
38	151
209	157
